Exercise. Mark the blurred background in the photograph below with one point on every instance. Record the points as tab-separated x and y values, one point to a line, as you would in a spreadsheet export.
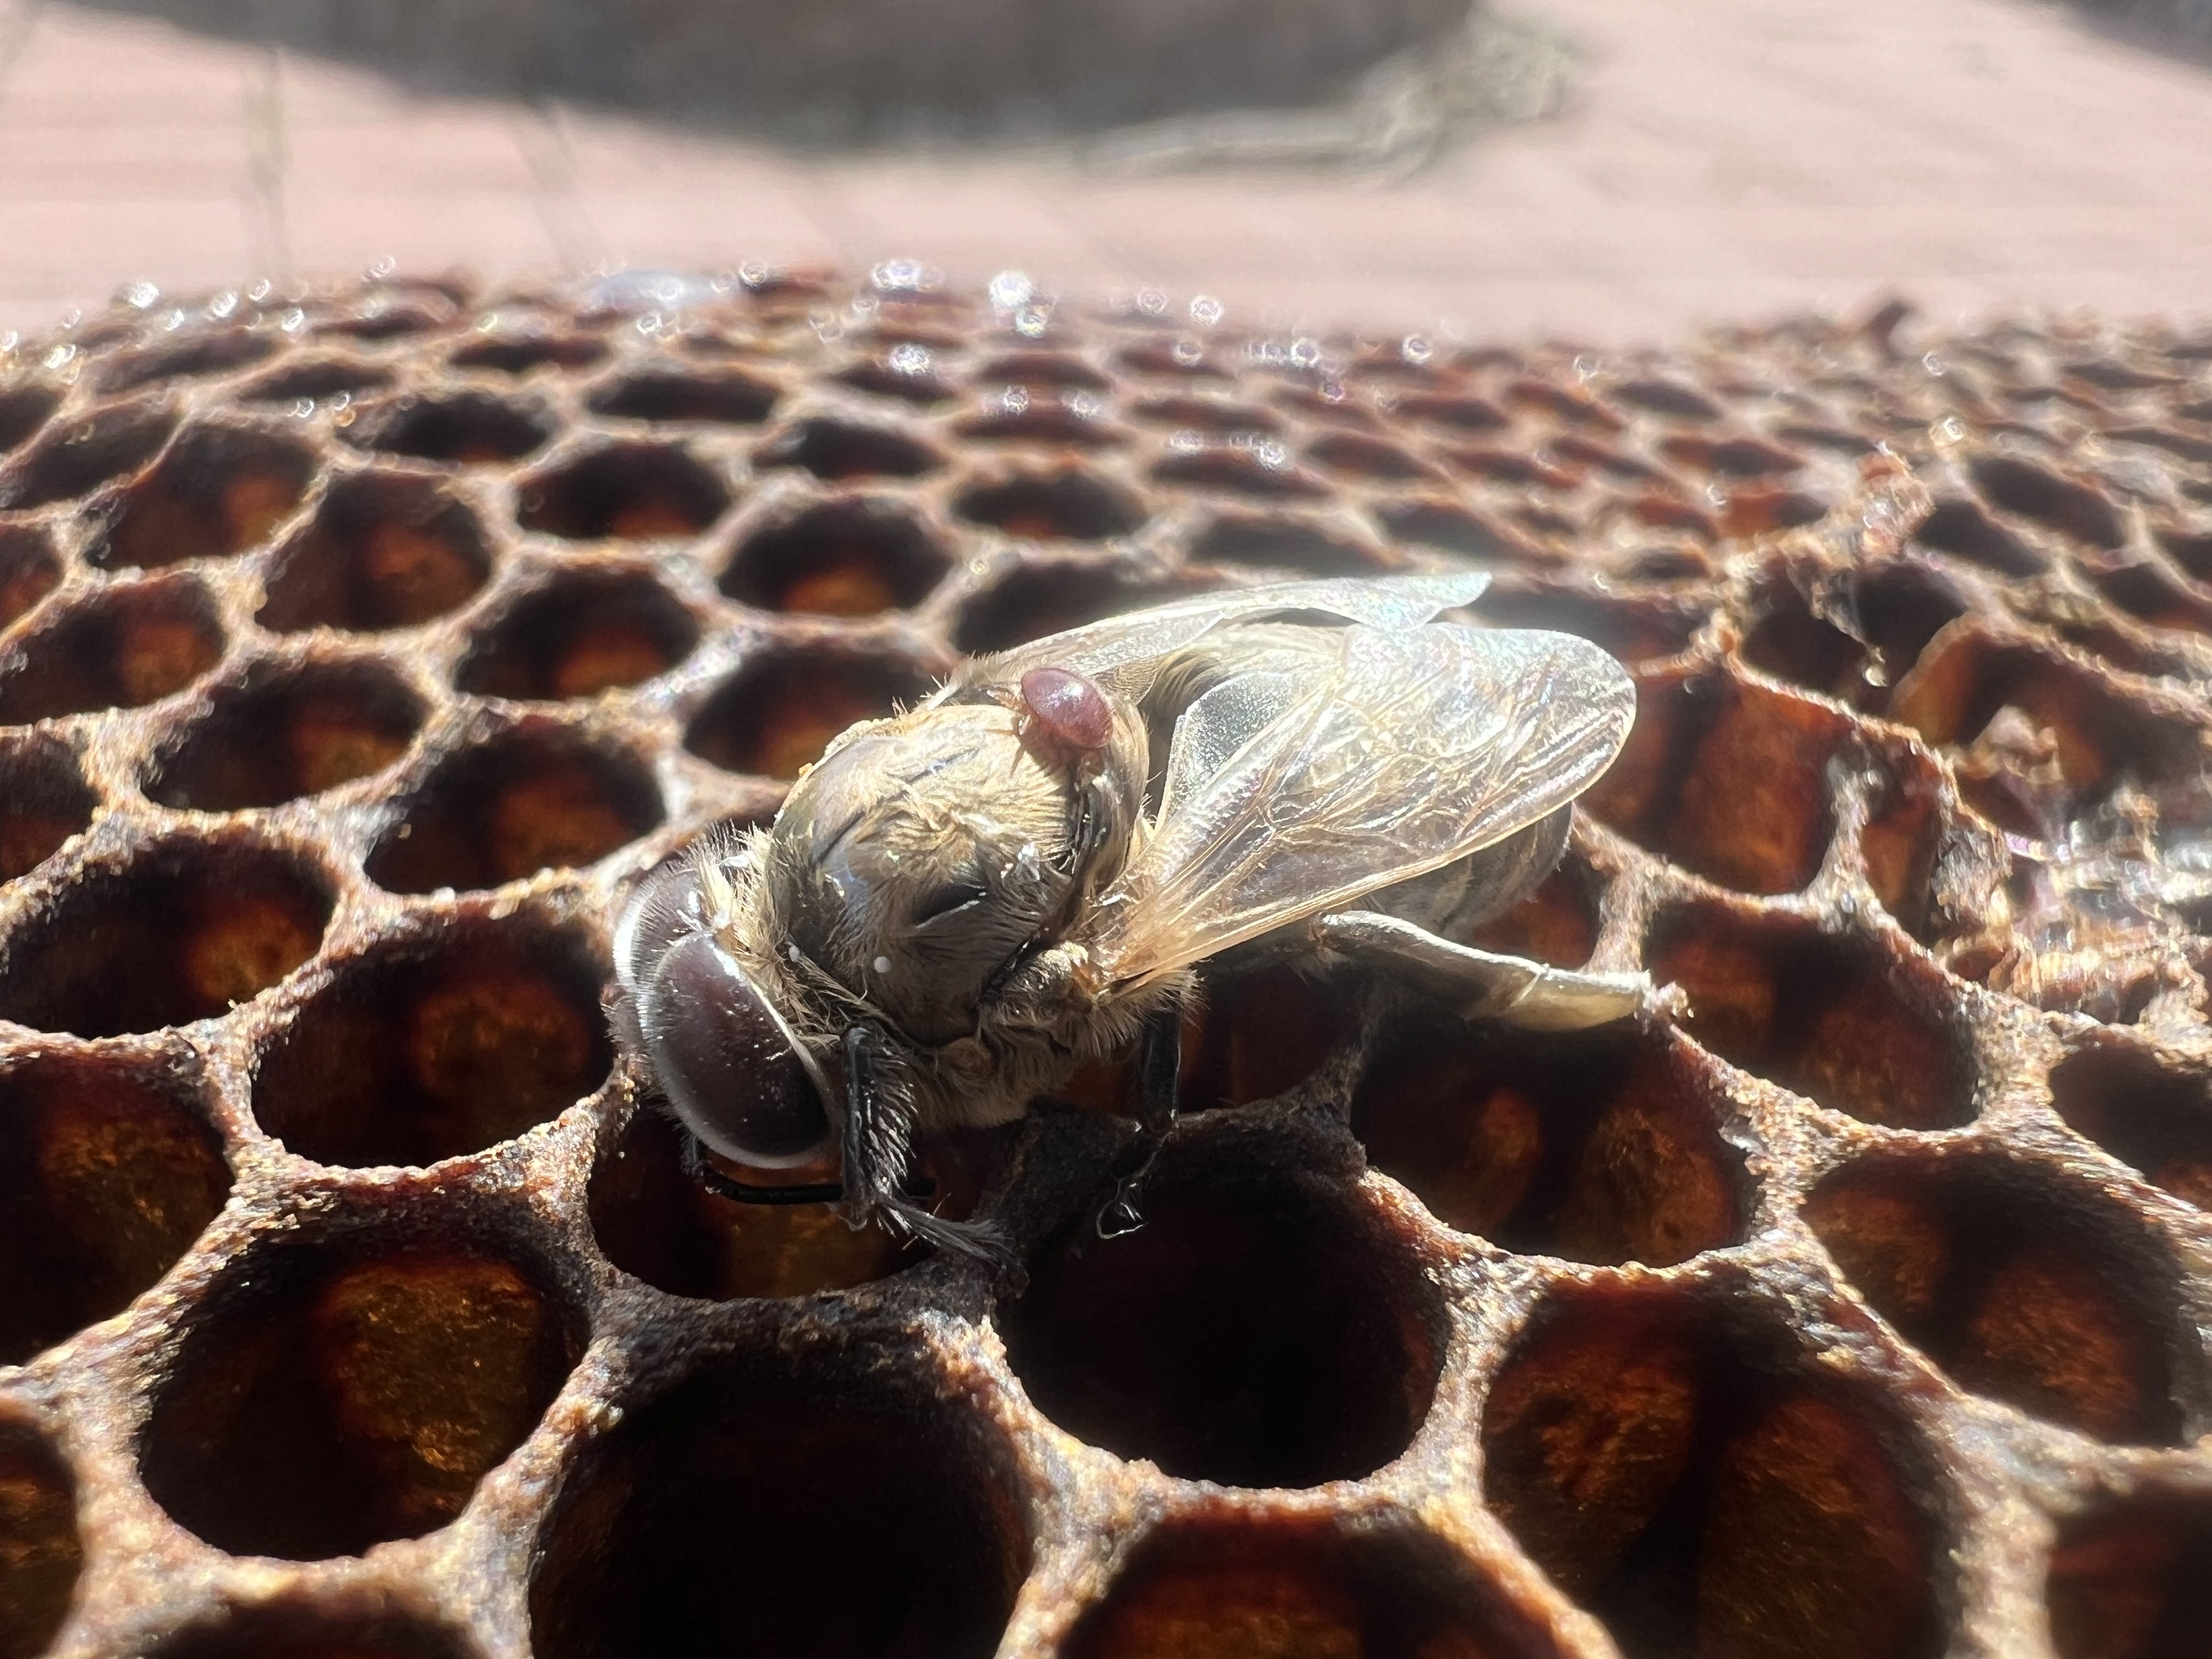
1617	169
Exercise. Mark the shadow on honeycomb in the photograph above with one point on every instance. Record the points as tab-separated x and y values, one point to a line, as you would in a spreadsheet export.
358	648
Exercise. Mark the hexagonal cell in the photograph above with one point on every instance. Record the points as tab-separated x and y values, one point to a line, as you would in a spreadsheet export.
537	796
44	800
1209	414
1073	423
1043	368
2073	509
30	570
181	932
116	648
1962	527
1729	779
1254	1035
1457	414
655	1221
808	1503
1835	1019
23	410
1283	544
108	1171
581	633
1730	458
1668	398
1185	359
1331	401
1259	1329
468	427
1853	639
779	711
336	1389
1452	530
1032	600
1575	409
1509	466
435	1044
385	549
520	351
1599	1147
1640	628
218	491
1261	468
634	491
40	1554
280	731
834	449
303	1629
312	380
724	396
853	556
1063	506
1683	1474
2158	1119
208	351
1356	456
1302	1589
905	371
2132	1579
77	456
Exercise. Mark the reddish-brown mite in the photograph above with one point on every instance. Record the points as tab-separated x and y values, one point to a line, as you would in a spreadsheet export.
1069	716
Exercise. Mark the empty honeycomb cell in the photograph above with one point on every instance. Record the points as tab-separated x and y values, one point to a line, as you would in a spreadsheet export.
2132	1579
2023	487
1051	369
848	557
1573	408
1332	402
577	635
279	732
1852	640
2193	553
305	1629
1065	425
633	491
383	550
217	490
1211	414
2148	591
108	1171
905	373
1258	469
75	457
785	1505
2145	1113
2187	445
1033	600
1698	1489
1509	466
116	648
1282	544
1730	458
1453	530
1962	527
1303	1589
336	1391
537	796
1634	630
23	410
1184	359
519	352
312	379
1253	1036
181	930
1668	397
1828	1016
1556	924
44	800
1751	512
2037	1294
778	712
41	1554
1258	1330
654	1219
215	351
1455	413
725	398
1356	456
29	569
469	428
1729	779
1605	1151
834	449
432	1044
1063	506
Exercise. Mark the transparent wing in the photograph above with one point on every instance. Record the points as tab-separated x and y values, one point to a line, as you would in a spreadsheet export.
1419	747
1120	648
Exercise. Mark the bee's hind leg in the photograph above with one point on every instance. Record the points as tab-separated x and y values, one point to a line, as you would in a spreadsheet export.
1487	985
1159	1076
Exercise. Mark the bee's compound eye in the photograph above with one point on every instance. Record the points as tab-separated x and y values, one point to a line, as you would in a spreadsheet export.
724	1061
1070	707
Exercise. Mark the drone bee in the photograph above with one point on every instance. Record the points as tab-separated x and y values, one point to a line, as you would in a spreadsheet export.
959	905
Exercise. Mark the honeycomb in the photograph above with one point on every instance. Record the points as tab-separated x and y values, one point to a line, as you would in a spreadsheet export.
359	648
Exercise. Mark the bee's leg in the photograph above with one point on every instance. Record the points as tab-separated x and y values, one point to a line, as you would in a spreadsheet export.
694	1160
1159	1075
1487	985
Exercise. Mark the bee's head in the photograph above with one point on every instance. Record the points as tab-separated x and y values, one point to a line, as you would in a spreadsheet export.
730	1066
925	852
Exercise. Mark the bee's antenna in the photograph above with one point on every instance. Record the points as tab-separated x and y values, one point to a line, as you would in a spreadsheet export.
878	1134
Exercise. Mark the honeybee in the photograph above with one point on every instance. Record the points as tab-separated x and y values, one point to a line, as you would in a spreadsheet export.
959	905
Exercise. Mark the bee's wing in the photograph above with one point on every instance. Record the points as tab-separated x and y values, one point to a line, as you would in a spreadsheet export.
1297	794
1114	651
